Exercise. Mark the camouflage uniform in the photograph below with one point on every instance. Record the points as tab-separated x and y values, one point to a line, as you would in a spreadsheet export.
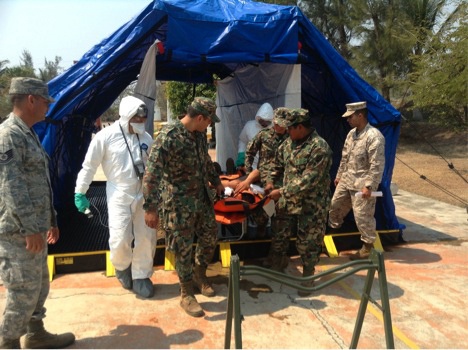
303	167
265	144
176	182
26	209
362	164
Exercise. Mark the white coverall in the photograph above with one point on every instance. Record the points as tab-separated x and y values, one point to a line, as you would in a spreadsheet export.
252	127
123	190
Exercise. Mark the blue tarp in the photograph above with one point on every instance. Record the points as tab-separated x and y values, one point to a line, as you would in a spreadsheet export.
203	38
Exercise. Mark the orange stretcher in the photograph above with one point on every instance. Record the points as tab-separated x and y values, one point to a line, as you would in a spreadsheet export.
231	210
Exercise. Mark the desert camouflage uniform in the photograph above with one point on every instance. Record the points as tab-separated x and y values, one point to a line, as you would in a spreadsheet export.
176	179
26	208
362	164
265	143
304	169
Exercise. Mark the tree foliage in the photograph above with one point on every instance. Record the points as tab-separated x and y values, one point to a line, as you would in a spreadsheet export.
24	69
399	46
439	82
180	94
332	18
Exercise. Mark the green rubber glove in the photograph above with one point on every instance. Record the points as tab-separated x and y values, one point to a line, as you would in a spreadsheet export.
240	159
81	202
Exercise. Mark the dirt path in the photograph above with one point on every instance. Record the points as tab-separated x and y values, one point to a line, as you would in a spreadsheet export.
425	151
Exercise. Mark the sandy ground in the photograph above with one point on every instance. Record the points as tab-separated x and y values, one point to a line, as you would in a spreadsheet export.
427	152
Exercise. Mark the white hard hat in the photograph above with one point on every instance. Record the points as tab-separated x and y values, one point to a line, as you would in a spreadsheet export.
265	112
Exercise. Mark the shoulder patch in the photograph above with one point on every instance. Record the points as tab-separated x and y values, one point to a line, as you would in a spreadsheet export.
6	157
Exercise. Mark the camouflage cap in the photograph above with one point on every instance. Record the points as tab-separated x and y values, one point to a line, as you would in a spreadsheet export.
280	116
206	107
353	107
30	86
297	115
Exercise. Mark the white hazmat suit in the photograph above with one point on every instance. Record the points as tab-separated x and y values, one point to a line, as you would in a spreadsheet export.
251	128
123	189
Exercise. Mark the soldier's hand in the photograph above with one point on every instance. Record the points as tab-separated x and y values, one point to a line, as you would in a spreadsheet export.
268	188
152	218
35	243
366	193
220	190
242	186
275	195
53	235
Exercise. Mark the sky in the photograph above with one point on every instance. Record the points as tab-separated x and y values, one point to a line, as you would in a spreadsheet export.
65	28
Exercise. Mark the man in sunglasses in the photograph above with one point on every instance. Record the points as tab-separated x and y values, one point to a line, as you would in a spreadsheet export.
122	149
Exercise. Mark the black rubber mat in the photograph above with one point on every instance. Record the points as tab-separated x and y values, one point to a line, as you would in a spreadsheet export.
78	233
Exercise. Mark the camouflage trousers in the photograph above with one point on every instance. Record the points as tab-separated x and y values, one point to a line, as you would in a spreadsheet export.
260	217
363	209
310	232
181	228
26	277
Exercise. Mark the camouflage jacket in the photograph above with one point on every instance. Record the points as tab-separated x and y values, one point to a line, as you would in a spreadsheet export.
363	159
26	200
304	168
265	143
179	170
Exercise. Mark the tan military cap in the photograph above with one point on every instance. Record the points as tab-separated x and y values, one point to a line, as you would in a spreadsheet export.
353	107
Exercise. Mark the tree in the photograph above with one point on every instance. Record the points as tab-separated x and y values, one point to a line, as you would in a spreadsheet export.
51	69
332	18
24	69
384	43
180	94
439	82
26	60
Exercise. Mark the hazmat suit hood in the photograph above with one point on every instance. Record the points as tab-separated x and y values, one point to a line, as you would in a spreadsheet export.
265	112
127	109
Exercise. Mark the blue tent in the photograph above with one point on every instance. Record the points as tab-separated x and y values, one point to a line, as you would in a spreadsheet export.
202	38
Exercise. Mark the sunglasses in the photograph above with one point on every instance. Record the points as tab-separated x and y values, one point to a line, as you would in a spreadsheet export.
142	111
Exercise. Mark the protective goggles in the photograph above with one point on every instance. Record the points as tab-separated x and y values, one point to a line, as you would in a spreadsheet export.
142	111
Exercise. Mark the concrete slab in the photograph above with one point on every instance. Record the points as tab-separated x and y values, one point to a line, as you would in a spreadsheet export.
427	282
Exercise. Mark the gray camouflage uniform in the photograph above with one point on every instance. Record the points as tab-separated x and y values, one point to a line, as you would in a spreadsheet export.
362	164
26	208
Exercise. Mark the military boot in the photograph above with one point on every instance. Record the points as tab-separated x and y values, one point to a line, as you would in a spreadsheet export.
306	273
188	301
201	282
6	343
279	262
38	338
362	253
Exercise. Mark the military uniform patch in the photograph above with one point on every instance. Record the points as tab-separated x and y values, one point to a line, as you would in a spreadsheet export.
6	157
